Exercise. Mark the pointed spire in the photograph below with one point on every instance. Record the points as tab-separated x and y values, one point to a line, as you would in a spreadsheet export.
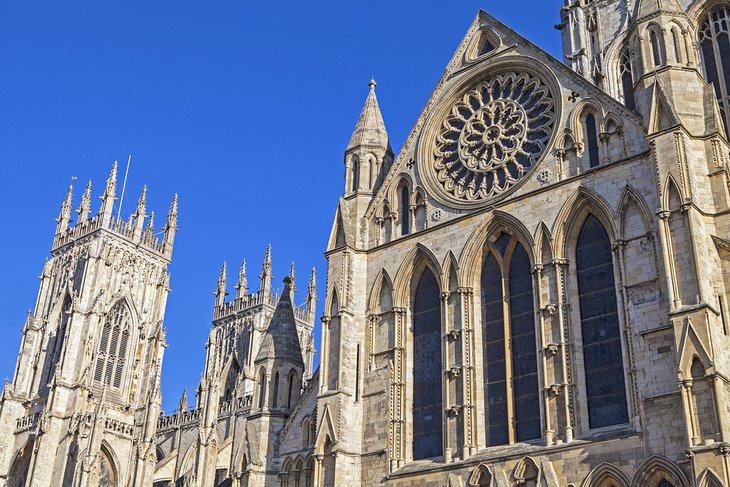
242	286
645	8
370	128
170	227
266	276
85	207
110	193
312	293
292	278
140	213
149	232
281	341
64	218
220	293
183	404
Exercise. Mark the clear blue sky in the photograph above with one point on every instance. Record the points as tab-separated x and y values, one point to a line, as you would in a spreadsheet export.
243	108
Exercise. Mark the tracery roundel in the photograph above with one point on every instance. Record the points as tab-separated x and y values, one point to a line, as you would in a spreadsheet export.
493	136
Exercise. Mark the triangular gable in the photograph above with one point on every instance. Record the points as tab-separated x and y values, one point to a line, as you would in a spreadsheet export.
462	60
690	345
662	115
341	234
713	120
325	428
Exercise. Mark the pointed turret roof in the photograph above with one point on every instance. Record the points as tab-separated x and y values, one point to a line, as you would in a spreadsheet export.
281	341
370	128
644	8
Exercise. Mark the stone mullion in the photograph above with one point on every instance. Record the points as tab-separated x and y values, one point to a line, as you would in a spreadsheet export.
563	308
397	393
507	321
446	379
466	295
549	431
666	240
619	249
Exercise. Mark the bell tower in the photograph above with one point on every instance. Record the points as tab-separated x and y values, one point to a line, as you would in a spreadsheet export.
85	397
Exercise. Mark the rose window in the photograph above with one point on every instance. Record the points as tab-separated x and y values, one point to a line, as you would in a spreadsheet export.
493	136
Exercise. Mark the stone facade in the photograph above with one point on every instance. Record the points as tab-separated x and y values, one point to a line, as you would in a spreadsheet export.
532	292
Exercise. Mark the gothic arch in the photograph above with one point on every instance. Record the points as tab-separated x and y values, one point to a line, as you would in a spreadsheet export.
576	209
708	478
543	244
691	347
415	261
333	304
126	298
382	286
606	475
450	268
481	477
20	464
672	194
473	254
402	179
699	9
325	432
586	105
108	454
613	62
477	46
630	197
528	472
655	469
608	123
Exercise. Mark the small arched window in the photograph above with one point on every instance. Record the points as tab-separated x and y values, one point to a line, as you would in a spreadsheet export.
275	392
714	38
627	79
592	140
427	369
355	174
676	43
113	344
405	211
656	52
292	384
107	473
600	329
262	388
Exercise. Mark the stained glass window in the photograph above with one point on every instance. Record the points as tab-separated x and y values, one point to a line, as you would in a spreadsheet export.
715	48
602	355
427	369
627	79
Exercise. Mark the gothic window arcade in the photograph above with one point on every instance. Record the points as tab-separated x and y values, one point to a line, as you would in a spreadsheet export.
602	356
627	79
714	44
489	139
427	369
113	346
509	347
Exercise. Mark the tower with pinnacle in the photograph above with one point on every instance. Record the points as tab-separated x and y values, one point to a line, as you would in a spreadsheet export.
83	404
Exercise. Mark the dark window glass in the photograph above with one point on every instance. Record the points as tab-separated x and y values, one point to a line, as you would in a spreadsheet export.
602	356
524	348
493	351
405	211
627	80
355	175
427	369
275	392
656	53
715	49
262	389
592	140
486	46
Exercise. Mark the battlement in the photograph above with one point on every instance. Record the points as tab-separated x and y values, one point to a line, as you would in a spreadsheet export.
259	298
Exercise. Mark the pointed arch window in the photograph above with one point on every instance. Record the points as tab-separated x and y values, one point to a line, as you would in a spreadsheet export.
509	346
291	392
656	52
113	345
627	79
592	140
427	369
714	40
355	174
262	388
275	392
600	329
107	474
405	211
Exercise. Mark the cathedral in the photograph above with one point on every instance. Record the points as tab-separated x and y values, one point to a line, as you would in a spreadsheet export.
533	292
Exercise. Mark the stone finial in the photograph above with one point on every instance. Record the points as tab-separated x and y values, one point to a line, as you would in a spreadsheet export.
85	207
312	292
183	404
110	192
242	285
170	227
220	293
64	218
266	276
140	213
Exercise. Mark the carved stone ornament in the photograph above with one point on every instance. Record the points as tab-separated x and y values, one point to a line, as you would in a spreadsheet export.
491	138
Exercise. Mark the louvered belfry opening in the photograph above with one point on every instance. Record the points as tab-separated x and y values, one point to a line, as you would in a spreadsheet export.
113	346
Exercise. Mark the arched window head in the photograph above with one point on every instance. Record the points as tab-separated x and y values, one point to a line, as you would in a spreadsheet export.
107	473
656	53
113	345
485	45
592	140
714	39
275	392
427	369
697	371
405	211
262	388
355	174
602	356
676	44
292	389
627	79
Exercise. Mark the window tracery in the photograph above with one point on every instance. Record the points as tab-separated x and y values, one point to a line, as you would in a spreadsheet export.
509	345
600	329
113	344
627	79
490	138
714	40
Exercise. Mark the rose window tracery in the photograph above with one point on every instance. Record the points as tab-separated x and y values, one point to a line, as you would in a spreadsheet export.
493	136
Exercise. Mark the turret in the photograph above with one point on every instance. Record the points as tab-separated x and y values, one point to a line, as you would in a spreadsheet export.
368	155
140	213
242	285
292	278
220	293
265	277
170	228
64	218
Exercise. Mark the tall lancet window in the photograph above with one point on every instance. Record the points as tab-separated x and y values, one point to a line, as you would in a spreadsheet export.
113	344
600	329
405	211
592	140
355	170
427	369
627	79
509	346
714	39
